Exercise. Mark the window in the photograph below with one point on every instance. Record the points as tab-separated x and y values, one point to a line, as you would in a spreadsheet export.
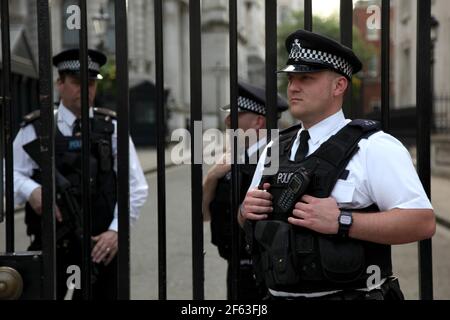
405	72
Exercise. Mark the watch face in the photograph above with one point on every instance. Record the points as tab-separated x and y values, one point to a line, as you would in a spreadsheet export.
346	220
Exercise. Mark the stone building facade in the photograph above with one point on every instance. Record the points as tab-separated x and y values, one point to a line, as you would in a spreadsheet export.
215	45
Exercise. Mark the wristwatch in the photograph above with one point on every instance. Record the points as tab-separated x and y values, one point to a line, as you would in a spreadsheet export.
345	222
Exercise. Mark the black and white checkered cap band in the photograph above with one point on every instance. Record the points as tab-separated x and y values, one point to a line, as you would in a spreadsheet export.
74	65
247	104
310	55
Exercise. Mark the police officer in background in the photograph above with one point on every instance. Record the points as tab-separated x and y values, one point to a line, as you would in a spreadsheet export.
68	163
345	191
217	187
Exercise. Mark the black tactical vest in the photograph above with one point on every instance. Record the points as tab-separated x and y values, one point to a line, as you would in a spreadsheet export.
220	209
68	161
295	259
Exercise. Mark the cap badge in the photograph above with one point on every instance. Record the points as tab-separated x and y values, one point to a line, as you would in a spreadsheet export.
296	50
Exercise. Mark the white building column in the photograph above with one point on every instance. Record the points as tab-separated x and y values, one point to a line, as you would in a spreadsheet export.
216	62
149	51
185	75
405	53
172	62
140	34
255	35
172	48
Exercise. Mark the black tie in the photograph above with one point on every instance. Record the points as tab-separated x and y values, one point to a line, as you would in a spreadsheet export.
302	150
76	128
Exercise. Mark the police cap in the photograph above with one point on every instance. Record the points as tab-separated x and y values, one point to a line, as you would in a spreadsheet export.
312	52
68	61
253	99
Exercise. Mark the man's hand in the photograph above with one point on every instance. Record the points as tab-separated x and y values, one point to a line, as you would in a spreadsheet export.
318	214
216	172
35	202
220	169
257	204
105	248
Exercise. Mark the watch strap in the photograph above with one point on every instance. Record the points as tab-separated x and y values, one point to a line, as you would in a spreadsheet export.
344	229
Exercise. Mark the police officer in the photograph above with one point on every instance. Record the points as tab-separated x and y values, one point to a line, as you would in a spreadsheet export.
345	191
217	186
68	163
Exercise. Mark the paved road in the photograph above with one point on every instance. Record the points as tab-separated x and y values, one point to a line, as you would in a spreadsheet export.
179	244
144	257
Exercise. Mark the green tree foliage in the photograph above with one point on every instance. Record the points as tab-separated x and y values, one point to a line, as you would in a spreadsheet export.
107	87
329	27
108	83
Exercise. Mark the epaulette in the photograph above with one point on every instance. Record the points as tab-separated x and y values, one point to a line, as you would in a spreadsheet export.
366	124
108	113
29	118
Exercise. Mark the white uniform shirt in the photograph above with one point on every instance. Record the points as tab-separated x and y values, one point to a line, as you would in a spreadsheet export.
381	172
24	166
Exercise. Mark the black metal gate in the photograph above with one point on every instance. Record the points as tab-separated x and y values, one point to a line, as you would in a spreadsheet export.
45	261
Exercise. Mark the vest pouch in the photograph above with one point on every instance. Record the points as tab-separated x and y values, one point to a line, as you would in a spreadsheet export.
278	259
342	259
105	152
306	245
220	219
220	234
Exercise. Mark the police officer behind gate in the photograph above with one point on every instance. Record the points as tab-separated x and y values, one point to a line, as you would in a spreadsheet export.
68	163
217	186
344	193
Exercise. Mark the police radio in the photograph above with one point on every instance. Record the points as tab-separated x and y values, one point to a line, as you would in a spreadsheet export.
296	187
284	201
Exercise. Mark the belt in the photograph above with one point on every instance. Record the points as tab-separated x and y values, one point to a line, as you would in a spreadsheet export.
390	289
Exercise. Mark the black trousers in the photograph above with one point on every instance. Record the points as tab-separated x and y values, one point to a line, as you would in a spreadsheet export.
103	278
248	288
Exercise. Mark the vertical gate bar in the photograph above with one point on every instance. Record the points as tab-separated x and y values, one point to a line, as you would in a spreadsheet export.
2	153
346	22
3	98
47	144
85	153
423	135
308	16
198	268
123	147
234	167
346	30
271	64
159	62
7	115
385	64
